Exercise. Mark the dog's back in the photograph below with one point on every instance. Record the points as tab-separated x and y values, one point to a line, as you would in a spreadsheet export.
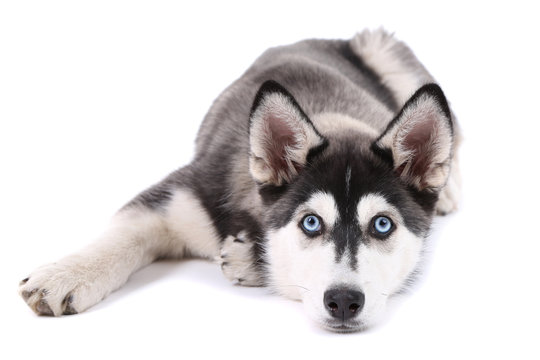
368	78
303	128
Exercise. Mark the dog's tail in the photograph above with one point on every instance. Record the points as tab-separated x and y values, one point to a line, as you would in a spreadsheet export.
393	61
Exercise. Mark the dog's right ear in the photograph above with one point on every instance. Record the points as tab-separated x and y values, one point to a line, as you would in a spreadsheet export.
280	136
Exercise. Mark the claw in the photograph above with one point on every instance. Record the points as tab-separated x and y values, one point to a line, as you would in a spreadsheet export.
68	300
27	294
43	308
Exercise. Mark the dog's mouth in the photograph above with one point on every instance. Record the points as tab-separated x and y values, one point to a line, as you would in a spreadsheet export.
344	326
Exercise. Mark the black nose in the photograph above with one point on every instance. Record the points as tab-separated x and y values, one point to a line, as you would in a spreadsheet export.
344	304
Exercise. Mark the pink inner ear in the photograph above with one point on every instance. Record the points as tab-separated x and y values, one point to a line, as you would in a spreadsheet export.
420	142
281	132
281	137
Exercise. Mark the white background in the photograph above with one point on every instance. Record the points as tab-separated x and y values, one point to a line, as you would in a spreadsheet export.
100	99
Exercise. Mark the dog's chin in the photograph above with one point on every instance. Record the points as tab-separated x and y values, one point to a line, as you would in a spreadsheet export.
344	326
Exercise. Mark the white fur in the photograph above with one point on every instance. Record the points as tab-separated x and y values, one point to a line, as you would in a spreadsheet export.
304	268
335	123
135	238
91	274
321	204
236	260
383	266
191	227
292	256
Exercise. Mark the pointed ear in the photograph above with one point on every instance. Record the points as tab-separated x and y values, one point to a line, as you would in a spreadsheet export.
419	140
280	136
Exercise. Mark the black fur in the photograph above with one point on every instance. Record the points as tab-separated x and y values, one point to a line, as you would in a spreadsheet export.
209	175
369	175
154	198
374	85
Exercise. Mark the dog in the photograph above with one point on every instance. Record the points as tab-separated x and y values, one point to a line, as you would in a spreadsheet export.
317	174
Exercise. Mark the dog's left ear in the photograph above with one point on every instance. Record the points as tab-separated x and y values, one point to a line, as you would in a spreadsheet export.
280	136
419	140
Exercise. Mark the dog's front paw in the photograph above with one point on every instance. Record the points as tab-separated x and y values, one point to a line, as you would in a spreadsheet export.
58	289
237	262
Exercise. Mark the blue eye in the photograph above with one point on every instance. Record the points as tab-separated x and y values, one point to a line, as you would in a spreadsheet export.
382	225
311	225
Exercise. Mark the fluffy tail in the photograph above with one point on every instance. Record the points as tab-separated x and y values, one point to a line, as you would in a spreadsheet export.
393	61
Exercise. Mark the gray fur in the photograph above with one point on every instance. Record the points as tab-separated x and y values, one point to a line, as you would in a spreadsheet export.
323	76
319	77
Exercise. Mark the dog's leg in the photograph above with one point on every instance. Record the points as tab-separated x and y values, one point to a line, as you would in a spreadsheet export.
138	235
81	280
237	260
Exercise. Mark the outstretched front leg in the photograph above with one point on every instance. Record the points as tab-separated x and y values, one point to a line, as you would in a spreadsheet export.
152	226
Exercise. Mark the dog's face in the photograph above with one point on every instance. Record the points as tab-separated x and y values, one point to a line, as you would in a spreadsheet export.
347	211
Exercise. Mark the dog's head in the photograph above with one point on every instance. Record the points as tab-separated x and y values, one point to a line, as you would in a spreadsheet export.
348	206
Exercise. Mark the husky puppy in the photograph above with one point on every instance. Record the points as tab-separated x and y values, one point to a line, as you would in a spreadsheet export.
317	174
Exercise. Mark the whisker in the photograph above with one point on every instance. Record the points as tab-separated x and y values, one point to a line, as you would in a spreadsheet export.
301	287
